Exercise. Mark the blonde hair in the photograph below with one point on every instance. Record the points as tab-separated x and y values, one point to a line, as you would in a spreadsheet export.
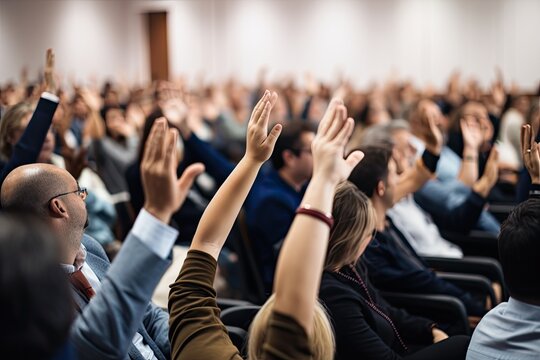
321	339
354	220
10	122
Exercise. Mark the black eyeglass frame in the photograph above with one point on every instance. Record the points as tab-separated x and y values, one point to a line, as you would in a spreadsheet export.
82	192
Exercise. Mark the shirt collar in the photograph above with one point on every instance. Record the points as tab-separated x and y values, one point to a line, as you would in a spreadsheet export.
80	258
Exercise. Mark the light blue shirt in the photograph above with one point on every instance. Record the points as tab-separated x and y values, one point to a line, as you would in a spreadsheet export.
449	164
509	331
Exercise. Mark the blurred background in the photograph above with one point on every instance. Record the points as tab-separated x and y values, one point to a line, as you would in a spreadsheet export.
362	40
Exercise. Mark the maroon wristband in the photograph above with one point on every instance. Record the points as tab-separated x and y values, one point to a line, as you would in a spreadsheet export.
328	219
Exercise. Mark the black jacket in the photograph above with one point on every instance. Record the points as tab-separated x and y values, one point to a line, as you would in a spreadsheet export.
361	333
394	266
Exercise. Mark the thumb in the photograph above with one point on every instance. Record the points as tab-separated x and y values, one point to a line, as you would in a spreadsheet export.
273	136
189	175
354	158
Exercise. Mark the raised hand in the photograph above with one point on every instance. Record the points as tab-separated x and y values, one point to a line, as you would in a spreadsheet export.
260	143
164	193
491	174
433	135
48	74
530	151
472	134
329	145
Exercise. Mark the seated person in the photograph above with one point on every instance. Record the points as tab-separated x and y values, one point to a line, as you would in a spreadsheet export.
454	177
36	298
392	263
115	318
195	150
291	325
512	329
273	201
114	148
366	326
406	214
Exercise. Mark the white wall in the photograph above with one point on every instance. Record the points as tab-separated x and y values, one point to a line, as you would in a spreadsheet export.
366	40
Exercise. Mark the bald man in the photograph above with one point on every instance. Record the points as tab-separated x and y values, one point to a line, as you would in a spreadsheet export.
116	320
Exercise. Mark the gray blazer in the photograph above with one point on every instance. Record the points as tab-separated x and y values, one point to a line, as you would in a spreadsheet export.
106	326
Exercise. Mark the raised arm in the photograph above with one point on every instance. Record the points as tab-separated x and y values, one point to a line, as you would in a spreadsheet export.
530	151
219	216
195	330
472	140
28	147
106	327
415	177
300	264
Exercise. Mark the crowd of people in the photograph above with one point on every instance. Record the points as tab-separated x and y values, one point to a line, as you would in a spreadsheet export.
363	188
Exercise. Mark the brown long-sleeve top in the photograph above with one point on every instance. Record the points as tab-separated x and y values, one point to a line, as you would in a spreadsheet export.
196	330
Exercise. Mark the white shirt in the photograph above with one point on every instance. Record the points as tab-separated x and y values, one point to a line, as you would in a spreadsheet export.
160	239
509	331
420	230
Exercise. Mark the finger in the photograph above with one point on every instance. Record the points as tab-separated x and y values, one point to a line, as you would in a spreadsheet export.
525	138
160	140
152	143
265	114
258	108
345	133
273	98
494	156
463	125
189	175
354	159
273	136
170	153
328	116
337	123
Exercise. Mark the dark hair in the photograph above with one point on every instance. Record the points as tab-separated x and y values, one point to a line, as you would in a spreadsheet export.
289	140
372	169
36	301
519	250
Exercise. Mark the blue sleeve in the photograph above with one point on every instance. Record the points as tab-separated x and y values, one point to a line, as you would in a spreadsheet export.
217	166
27	150
462	218
156	322
107	325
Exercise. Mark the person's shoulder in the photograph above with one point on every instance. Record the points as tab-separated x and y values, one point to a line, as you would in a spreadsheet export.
94	247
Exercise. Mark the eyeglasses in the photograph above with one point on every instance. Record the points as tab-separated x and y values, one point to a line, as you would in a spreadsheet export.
297	152
81	192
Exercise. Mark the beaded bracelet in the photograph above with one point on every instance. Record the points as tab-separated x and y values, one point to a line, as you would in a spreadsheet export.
306	209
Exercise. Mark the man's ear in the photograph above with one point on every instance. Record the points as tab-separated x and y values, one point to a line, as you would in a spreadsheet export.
58	208
288	156
380	189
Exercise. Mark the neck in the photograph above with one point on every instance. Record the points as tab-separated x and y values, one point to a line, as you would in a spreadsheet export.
290	179
380	210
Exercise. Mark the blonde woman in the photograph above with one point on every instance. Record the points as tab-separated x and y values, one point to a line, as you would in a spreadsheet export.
291	325
366	327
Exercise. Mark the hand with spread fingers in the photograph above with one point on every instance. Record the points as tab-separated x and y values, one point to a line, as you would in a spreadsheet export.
163	191
259	142
530	150
329	144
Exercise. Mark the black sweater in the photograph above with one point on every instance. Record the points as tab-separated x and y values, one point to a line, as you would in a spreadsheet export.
361	333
